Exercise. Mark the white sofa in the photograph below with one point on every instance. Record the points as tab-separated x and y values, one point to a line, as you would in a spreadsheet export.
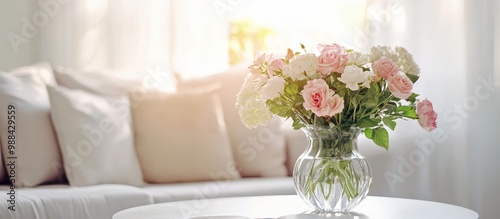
266	173
102	201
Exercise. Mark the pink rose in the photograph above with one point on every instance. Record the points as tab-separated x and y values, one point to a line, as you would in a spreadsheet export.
255	69
258	61
333	58
320	99
385	68
275	66
400	86
426	115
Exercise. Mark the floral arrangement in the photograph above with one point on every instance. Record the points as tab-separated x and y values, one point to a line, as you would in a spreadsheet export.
337	88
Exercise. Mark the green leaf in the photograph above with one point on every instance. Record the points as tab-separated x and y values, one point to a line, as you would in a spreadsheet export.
375	88
389	122
386	94
412	98
391	107
368	123
413	78
368	133
354	101
403	108
292	89
381	137
279	108
371	93
407	111
296	123
370	103
303	47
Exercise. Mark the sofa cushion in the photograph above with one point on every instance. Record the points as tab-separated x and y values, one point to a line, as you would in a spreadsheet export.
96	137
64	201
36	152
41	71
182	137
219	189
257	152
97	82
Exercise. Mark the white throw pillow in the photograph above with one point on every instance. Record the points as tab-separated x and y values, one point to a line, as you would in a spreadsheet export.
97	82
257	152
95	137
41	71
36	150
182	137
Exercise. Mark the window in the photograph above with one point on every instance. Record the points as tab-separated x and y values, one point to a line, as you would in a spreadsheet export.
276	25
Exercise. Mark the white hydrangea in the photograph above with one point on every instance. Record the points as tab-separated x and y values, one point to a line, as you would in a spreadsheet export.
252	109
357	58
353	76
254	113
378	51
302	66
273	88
406	63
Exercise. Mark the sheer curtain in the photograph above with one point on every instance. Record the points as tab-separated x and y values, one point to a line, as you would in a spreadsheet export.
175	36
453	42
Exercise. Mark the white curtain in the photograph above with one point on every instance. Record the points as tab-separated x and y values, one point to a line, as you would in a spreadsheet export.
453	42
175	36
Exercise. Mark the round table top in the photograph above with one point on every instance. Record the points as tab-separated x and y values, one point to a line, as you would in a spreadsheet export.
292	207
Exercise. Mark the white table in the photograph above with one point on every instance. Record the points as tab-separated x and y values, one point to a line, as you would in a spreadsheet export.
292	207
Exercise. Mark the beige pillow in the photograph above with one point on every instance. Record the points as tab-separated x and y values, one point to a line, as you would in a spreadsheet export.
257	152
36	150
182	137
95	136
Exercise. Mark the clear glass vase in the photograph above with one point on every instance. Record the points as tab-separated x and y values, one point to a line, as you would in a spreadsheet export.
331	176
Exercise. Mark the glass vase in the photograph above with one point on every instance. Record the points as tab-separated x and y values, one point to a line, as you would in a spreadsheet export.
331	176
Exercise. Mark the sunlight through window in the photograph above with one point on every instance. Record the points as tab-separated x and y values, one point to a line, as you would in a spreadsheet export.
267	28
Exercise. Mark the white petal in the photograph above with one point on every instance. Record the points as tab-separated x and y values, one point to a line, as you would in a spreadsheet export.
352	86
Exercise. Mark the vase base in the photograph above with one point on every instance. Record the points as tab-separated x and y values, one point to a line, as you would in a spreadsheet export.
322	214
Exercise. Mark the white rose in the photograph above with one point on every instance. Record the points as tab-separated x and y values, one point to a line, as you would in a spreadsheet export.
294	75
353	76
273	88
304	63
368	80
357	58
